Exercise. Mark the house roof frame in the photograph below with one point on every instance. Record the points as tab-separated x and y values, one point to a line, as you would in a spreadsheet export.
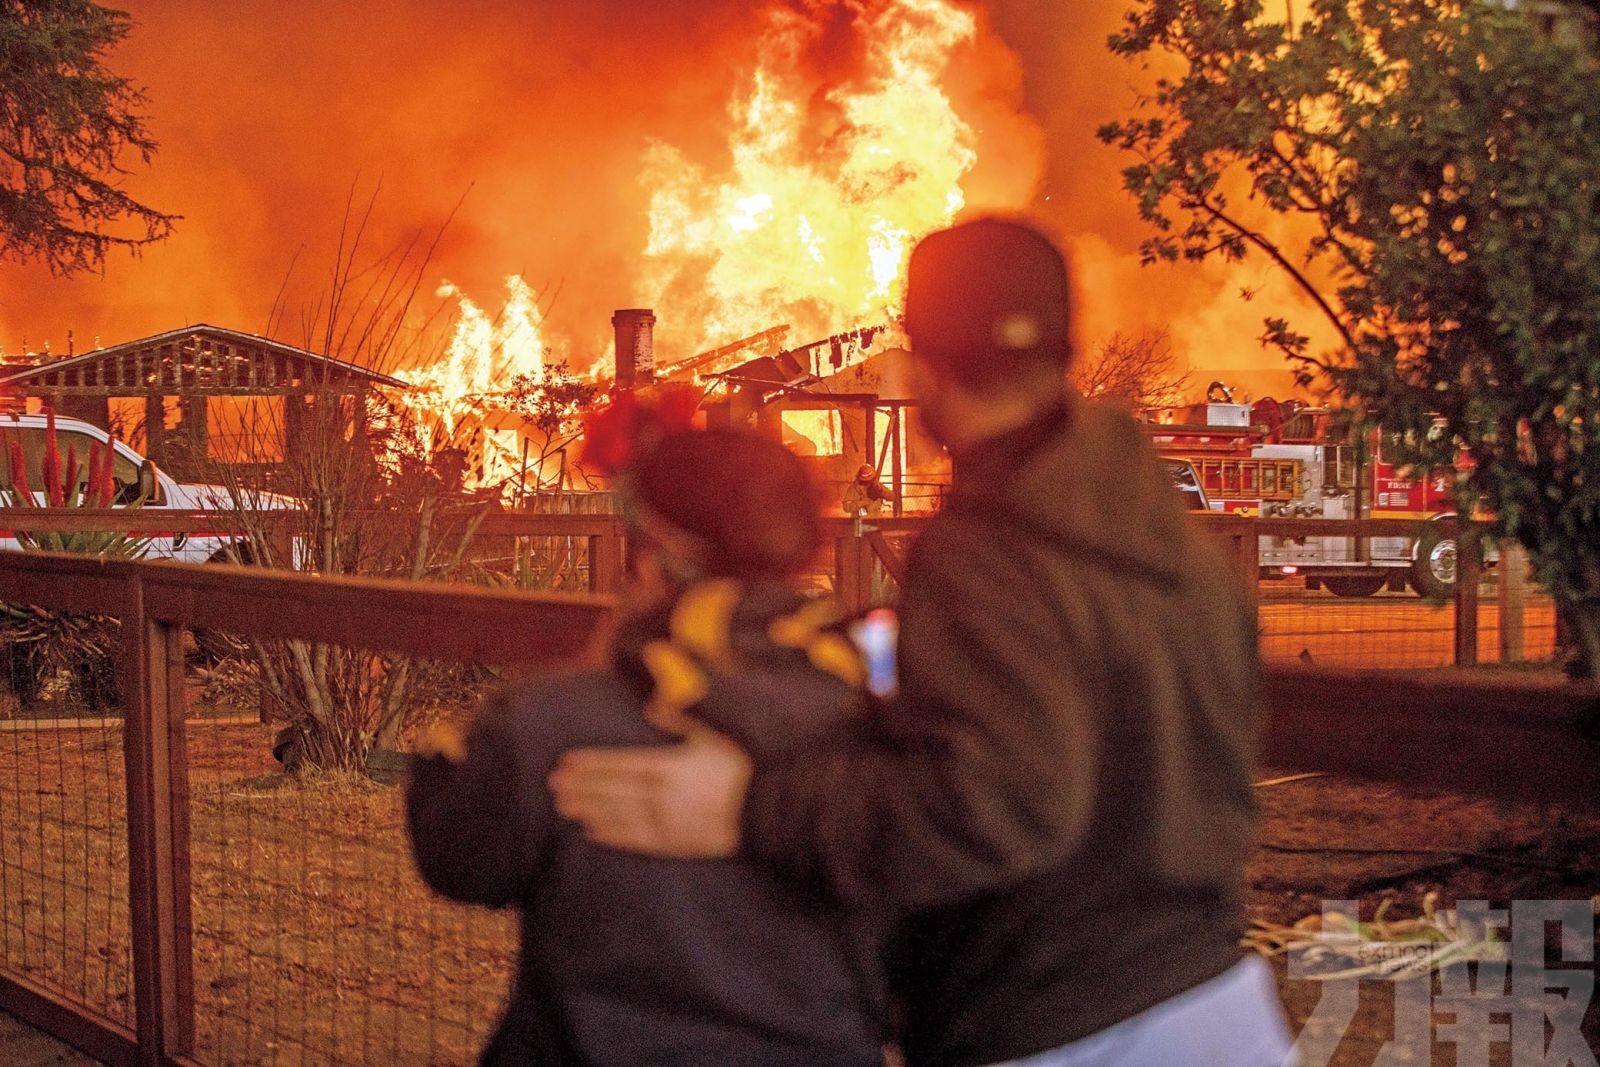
338	374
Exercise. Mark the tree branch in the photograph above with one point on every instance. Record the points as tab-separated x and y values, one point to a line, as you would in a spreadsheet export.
1277	256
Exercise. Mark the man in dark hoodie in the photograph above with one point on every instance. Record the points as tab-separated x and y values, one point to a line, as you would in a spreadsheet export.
630	960
1056	809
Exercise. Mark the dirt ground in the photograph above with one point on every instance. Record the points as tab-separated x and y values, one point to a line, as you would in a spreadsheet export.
314	941
23	1046
1465	849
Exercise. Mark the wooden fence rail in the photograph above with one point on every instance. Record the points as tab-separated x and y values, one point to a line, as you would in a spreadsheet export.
155	602
859	550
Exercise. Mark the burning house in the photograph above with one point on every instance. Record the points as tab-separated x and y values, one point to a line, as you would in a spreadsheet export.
843	410
845	134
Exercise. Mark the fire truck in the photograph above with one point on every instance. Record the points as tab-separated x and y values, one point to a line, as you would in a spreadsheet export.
1291	460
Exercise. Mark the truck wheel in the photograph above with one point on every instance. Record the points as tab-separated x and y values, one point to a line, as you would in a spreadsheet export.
1433	572
214	646
1353	585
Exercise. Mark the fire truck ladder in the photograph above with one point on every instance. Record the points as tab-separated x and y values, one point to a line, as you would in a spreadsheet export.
1265	479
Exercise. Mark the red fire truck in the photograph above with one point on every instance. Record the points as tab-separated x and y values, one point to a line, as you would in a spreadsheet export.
1297	461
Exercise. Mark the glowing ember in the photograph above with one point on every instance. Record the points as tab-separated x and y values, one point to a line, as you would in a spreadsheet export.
829	187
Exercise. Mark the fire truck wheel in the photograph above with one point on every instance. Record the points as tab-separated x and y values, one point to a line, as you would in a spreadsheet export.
1353	585
1433	571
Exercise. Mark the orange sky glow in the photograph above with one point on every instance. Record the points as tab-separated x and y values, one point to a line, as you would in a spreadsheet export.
571	131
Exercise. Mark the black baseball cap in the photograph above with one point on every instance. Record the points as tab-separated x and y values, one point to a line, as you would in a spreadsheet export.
988	298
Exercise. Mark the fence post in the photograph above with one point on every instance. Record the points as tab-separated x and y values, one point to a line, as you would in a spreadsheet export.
1513	598
605	560
158	832
1469	568
852	573
1242	543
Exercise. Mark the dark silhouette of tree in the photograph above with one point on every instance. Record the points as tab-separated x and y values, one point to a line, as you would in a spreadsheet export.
67	128
548	405
1441	165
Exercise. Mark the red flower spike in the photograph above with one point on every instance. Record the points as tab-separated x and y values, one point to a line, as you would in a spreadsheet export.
91	482
69	476
105	485
52	465
19	475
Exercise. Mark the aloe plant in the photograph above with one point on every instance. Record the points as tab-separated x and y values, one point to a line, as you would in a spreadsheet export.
65	485
45	648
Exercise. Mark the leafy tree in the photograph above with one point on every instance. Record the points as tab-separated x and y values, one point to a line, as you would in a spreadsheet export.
67	125
549	404
1135	372
1440	163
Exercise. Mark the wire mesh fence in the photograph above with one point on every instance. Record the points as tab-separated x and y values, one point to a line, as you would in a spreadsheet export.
314	940
306	936
165	885
1400	629
64	920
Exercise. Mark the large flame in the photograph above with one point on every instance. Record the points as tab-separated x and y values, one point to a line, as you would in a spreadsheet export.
834	175
828	188
484	355
556	171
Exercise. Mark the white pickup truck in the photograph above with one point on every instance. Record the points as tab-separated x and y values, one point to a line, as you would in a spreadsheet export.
134	476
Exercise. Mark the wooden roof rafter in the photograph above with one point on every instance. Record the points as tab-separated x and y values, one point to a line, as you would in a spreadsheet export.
202	359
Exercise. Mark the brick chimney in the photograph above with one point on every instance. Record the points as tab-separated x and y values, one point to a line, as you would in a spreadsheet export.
636	359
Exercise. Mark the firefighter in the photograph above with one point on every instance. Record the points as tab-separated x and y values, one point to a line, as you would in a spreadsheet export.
866	495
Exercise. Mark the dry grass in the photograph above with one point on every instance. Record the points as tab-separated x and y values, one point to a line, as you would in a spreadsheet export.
1472	849
314	941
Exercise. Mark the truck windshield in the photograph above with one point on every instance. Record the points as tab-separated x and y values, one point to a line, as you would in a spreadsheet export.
123	470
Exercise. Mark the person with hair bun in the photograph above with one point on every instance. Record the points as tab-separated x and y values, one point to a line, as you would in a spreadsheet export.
632	960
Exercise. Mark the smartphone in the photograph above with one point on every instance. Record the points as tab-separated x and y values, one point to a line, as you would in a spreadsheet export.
876	634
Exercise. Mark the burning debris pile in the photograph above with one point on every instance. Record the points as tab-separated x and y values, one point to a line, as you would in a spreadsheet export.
484	354
502	394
